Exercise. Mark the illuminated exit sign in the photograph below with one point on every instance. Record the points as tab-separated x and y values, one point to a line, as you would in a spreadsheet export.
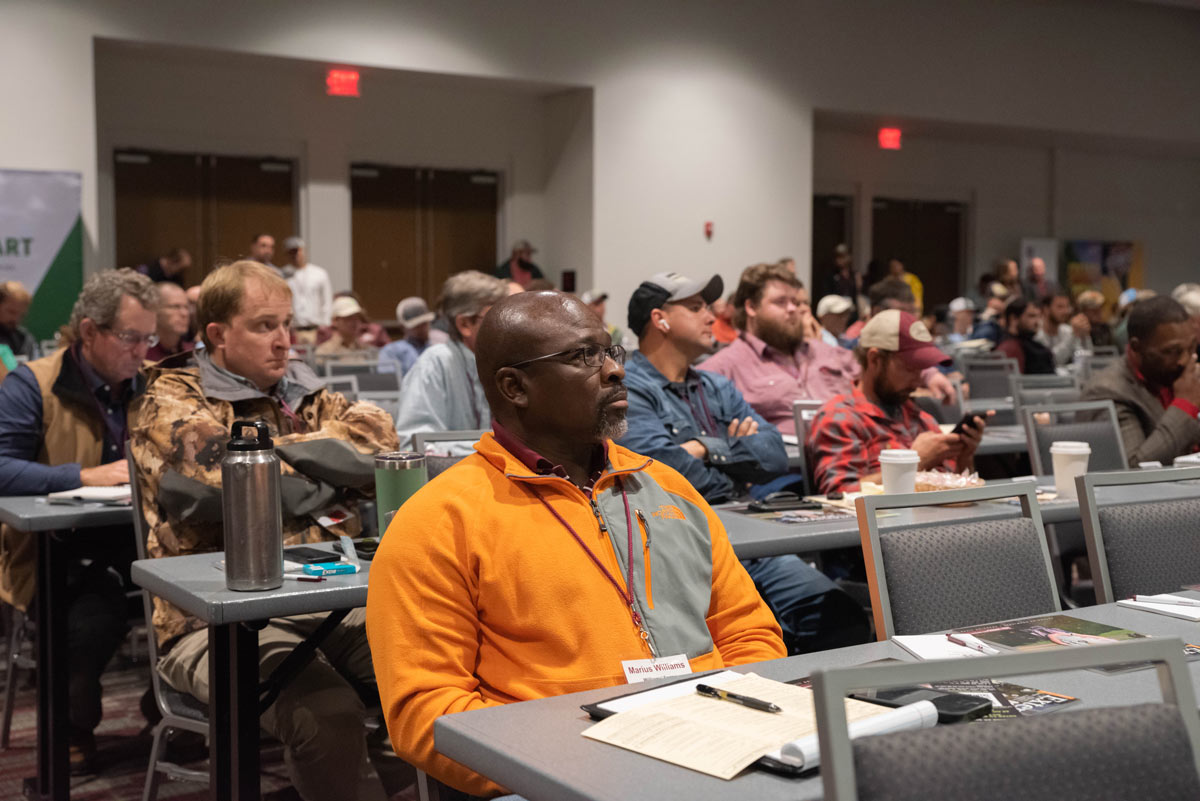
341	83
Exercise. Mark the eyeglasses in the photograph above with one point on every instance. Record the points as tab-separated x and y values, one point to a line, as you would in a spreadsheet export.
589	355
131	339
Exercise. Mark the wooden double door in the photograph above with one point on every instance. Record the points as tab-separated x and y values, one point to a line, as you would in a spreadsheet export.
212	206
414	227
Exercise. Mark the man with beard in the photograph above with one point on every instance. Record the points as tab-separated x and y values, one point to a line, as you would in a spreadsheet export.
1063	331
1156	387
698	423
850	430
771	362
552	560
1022	321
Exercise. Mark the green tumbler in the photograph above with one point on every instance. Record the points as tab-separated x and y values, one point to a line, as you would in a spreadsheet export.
397	476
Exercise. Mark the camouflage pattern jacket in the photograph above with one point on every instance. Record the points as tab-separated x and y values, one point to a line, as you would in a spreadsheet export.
178	430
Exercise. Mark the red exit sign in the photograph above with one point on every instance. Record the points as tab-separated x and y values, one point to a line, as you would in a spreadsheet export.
889	138
341	83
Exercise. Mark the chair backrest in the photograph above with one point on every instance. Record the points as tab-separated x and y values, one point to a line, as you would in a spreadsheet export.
378	382
1143	547
1093	422
804	411
345	384
942	576
988	378
422	438
1152	751
388	401
1092	363
1026	388
355	366
1106	350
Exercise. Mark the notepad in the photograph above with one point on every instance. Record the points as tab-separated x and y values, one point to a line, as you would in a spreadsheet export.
933	646
118	494
1191	613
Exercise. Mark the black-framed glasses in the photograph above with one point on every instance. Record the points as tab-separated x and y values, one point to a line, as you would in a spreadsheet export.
588	355
131	339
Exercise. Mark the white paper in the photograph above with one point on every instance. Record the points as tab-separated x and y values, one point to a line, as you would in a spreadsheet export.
933	646
1174	610
806	752
676	690
121	492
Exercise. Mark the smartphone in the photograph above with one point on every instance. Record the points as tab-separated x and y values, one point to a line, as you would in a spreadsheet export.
365	548
782	501
951	707
968	421
308	556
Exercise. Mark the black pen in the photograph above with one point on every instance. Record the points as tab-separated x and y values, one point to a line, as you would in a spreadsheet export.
744	700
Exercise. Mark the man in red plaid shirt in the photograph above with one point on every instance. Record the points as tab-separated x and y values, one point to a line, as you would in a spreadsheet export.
850	430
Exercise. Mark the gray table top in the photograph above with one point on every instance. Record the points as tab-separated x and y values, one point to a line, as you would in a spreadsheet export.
753	538
535	748
195	585
34	513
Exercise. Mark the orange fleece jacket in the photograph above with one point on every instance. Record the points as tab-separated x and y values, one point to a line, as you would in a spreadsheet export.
478	596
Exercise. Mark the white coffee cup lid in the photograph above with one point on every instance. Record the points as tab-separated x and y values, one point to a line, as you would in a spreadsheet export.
1068	447
898	456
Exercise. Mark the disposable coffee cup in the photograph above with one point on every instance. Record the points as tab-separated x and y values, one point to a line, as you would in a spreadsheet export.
398	475
1070	460
899	469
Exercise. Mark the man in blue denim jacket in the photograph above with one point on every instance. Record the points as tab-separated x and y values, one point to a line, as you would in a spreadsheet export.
698	423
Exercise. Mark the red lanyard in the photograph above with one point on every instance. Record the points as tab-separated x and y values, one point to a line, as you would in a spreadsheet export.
627	593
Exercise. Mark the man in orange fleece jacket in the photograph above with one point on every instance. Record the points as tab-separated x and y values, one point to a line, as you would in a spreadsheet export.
542	562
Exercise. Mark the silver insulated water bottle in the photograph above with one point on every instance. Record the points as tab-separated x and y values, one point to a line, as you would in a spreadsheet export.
250	509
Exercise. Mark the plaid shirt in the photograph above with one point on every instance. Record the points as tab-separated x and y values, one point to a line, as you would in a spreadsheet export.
848	433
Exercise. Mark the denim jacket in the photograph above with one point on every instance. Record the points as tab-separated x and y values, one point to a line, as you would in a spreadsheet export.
660	419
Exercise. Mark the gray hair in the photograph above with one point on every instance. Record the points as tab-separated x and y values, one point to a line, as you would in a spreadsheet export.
468	293
100	299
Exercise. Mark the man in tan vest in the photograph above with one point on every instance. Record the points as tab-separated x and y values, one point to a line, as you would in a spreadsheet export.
63	426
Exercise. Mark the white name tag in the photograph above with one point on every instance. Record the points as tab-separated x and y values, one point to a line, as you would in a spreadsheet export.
638	670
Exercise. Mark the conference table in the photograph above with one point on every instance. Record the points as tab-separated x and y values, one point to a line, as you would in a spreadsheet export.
535	748
194	584
997	440
52	524
754	537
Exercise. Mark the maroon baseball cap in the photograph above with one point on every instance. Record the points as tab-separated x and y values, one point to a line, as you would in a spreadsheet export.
899	332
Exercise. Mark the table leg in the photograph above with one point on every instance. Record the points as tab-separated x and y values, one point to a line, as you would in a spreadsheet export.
53	781
233	712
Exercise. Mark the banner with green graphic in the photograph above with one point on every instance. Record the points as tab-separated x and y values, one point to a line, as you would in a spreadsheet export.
41	242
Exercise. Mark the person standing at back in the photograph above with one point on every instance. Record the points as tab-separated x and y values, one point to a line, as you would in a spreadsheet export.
312	294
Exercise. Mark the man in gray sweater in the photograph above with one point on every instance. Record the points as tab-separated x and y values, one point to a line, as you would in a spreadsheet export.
1156	387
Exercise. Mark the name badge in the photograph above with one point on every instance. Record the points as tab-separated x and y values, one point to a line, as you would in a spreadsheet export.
638	670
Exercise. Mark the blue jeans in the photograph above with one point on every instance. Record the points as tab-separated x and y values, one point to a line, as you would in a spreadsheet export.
813	612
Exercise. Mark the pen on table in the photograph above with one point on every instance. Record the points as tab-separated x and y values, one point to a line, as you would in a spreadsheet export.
744	700
299	577
972	642
1173	600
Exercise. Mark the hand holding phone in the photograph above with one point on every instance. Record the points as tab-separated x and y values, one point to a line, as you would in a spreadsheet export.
968	421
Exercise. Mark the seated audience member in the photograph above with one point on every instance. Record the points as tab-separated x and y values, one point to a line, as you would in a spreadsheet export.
1038	285
699	424
14	305
167	268
833	313
349	319
415	316
772	363
63	426
991	320
174	320
312	292
179	431
1008	274
723	330
442	392
515	578
1156	387
1062	331
842	280
1125	304
519	266
1191	304
597	301
897	272
850	430
1022	321
962	320
262	250
1092	304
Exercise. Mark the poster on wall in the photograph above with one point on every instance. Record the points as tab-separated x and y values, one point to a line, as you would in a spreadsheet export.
1110	267
41	242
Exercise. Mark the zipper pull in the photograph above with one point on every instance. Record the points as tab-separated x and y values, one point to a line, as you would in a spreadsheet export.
645	525
599	519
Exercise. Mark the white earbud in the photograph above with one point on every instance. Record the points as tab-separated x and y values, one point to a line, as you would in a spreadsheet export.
665	325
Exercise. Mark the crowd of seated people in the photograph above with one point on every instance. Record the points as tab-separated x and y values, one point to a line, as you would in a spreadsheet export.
595	434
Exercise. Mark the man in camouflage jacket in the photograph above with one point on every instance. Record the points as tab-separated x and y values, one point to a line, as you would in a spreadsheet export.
326	444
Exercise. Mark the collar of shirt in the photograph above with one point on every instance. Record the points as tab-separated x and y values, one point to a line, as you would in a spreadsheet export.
288	392
904	413
788	361
540	464
104	392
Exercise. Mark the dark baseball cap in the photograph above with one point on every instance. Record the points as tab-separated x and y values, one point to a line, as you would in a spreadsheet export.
664	288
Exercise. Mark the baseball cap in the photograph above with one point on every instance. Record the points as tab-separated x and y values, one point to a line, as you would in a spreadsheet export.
842	250
663	288
899	332
961	305
413	312
523	244
834	304
997	290
346	306
594	296
293	243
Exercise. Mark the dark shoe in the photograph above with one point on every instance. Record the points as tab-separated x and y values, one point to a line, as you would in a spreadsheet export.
81	755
